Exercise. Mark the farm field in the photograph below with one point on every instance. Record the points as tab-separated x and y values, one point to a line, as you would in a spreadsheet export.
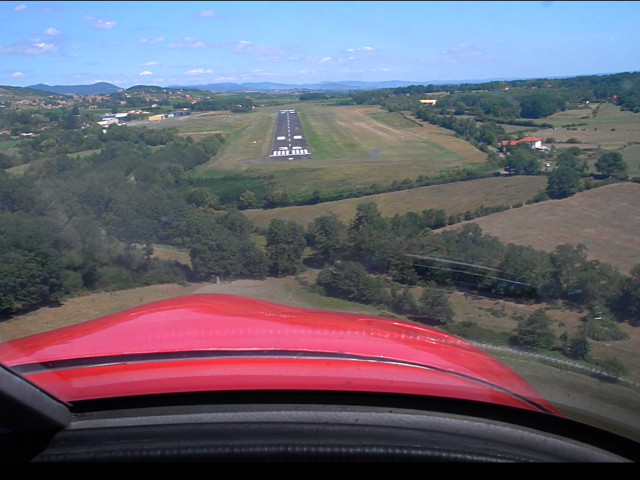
454	198
606	220
351	146
604	126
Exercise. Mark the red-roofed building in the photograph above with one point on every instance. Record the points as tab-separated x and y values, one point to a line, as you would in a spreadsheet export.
532	142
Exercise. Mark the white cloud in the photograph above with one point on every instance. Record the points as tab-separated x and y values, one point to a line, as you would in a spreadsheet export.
187	42
318	59
36	48
53	32
146	73
226	79
362	49
198	71
152	41
206	14
250	48
18	75
150	64
460	53
104	24
20	8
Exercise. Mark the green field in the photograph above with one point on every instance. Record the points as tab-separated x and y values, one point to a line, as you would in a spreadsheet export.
351	146
631	155
10	144
598	127
454	198
360	146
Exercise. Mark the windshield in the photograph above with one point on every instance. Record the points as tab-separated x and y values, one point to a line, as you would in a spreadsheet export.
467	169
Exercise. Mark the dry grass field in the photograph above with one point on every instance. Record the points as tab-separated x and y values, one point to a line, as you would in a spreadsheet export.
454	198
599	126
606	220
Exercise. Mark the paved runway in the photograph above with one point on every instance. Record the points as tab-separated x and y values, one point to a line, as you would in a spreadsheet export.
289	142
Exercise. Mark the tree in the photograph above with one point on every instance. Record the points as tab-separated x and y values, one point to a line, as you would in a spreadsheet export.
612	164
247	199
523	272
434	304
569	158
350	281
28	279
630	298
535	332
538	105
563	182
285	246
371	240
220	249
328	237
215	255
568	263
367	214
577	347
402	301
523	161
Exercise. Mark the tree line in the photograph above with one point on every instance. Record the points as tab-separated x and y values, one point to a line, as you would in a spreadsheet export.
515	99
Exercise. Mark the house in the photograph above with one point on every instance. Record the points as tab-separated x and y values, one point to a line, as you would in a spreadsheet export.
429	101
532	142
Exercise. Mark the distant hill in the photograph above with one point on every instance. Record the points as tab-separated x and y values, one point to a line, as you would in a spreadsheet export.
21	92
343	86
100	88
147	88
322	86
104	88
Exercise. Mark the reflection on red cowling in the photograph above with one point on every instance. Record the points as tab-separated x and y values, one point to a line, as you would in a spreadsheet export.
229	343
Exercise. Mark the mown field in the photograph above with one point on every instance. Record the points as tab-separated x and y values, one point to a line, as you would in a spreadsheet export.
593	129
351	146
606	220
454	198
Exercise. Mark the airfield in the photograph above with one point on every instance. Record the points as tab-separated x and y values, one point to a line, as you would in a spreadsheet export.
289	141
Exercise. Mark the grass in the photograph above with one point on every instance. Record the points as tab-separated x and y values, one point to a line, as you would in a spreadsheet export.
10	144
454	198
631	156
351	146
607	127
172	254
605	219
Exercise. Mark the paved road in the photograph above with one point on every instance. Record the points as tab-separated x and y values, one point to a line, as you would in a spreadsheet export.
289	141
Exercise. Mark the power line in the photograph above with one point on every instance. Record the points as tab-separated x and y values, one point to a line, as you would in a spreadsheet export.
467	272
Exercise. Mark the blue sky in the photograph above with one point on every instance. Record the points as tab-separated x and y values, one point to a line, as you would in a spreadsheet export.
185	43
